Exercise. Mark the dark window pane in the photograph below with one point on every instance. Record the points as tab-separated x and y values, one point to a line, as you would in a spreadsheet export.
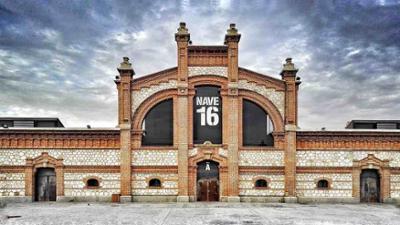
154	183
6	123
45	124
158	125
322	184
365	126
257	127
92	183
261	183
207	115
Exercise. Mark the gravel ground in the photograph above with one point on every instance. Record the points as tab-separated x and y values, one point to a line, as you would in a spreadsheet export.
198	213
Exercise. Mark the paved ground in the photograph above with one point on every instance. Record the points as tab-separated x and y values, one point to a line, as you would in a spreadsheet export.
198	213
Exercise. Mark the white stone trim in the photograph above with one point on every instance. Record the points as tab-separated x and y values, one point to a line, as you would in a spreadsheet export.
276	97
139	96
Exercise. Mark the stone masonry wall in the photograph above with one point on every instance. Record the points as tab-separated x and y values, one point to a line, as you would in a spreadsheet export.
340	186
12	184
261	158
155	158
169	184
98	157
343	158
395	186
74	185
276	186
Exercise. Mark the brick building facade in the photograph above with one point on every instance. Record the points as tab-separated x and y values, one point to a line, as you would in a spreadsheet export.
202	131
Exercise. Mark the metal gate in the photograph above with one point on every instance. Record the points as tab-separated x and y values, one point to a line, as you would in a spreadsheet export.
370	186
45	185
207	181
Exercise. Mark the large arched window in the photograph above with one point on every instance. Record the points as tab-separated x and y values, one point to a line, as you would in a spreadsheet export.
257	126
158	125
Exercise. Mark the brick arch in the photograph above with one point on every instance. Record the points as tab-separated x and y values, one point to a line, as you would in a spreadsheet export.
383	169
208	152
148	104
44	160
266	105
207	80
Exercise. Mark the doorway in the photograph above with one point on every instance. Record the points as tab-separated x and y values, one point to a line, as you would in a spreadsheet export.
207	181
370	186
45	185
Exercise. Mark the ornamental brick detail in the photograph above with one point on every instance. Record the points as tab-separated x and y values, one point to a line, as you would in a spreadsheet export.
276	97
208	70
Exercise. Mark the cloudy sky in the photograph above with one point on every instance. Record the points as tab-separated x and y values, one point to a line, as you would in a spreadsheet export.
59	58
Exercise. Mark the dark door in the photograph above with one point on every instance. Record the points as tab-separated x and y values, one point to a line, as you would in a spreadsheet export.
370	186
208	181
208	190
45	185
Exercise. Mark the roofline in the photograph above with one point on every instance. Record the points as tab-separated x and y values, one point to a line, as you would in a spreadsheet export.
143	77
262	75
55	119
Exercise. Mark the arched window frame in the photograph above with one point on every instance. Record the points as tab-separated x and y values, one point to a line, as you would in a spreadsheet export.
267	180
328	180
148	180
87	179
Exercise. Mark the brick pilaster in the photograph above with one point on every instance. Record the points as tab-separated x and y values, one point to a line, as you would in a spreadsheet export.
124	82
182	38
232	38
292	82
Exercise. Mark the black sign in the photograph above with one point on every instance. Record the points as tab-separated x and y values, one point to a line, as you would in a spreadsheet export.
207	113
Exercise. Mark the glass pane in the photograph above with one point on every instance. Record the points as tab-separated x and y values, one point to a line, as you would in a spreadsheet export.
257	126
158	125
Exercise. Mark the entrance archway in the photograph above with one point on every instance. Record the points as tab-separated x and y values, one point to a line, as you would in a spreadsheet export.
371	179
369	186
45	184
207	181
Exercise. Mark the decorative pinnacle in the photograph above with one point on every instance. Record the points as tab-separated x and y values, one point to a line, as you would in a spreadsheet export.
289	66
125	65
182	28
232	29
232	34
183	33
